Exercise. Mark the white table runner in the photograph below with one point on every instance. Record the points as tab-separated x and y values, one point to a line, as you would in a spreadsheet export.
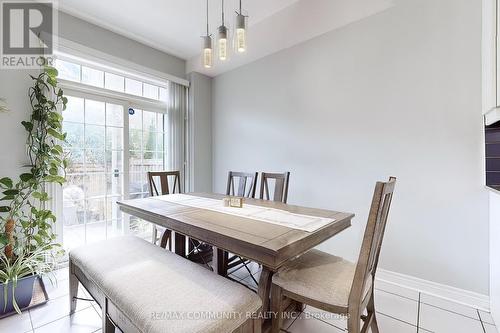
270	215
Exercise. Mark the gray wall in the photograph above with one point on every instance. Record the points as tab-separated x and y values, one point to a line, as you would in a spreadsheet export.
95	37
200	131
398	94
495	255
15	84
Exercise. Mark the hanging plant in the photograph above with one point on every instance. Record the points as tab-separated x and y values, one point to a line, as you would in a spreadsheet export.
27	242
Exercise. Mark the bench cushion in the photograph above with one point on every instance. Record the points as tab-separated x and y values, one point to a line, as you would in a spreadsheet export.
320	276
160	291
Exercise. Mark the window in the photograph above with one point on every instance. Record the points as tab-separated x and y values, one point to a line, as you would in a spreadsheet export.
112	144
92	77
103	78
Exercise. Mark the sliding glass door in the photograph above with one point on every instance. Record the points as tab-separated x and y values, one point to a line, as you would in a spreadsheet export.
111	146
146	153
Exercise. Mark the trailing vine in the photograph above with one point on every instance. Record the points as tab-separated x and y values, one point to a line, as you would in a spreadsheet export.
25	221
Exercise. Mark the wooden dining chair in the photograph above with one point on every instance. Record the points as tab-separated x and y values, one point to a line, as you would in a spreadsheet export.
280	186
334	284
247	184
159	185
245	188
240	184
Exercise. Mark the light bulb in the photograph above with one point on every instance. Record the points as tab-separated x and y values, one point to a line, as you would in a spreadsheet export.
207	51
241	34
223	49
241	40
222	43
207	58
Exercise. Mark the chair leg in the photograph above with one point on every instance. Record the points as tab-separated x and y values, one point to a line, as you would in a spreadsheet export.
166	238
225	262
353	321
73	291
154	236
276	308
371	312
107	324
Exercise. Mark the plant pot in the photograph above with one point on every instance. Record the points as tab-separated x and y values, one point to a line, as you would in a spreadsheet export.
23	294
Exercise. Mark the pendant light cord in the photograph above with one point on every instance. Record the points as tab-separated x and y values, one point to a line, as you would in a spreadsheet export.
207	18
222	12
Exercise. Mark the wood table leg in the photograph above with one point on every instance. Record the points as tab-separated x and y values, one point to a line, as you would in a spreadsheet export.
265	288
180	244
219	263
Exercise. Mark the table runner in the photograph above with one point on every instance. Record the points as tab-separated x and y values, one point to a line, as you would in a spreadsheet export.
265	214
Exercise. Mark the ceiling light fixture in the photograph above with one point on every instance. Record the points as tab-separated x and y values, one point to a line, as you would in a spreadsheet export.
222	33
207	47
240	41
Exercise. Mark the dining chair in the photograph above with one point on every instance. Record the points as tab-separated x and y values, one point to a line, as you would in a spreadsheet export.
240	184
334	284
247	184
162	188
280	186
245	188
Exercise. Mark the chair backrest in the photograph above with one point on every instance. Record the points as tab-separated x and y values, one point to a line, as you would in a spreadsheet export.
280	186
247	184
372	240
164	176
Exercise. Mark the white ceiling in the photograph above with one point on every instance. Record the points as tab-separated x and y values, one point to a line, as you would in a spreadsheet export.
175	26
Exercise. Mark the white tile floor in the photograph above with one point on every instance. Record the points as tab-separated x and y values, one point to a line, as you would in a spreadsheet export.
399	311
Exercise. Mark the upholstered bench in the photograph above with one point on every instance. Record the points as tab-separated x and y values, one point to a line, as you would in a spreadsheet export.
142	288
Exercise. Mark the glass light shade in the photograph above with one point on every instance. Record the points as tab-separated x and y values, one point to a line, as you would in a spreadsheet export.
222	48
207	52
240	36
207	58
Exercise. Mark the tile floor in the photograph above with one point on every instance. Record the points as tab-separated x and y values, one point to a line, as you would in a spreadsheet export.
399	311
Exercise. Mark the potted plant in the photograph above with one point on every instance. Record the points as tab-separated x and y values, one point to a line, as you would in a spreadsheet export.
28	246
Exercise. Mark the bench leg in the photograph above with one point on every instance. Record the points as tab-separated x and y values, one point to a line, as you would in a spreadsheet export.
73	289
107	324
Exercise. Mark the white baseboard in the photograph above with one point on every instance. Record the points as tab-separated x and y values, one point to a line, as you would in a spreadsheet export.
453	294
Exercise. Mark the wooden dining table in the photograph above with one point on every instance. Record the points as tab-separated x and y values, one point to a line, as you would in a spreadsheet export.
268	244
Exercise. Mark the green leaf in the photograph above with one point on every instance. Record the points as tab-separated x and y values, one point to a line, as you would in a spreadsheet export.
55	179
11	192
3	239
27	125
52	81
58	148
51	72
42	196
7	198
7	182
55	134
4	209
26	177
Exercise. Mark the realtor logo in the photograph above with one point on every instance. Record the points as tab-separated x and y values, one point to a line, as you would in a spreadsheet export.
27	33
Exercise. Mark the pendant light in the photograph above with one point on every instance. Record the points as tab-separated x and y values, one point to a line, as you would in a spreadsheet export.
222	34
207	47
240	36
